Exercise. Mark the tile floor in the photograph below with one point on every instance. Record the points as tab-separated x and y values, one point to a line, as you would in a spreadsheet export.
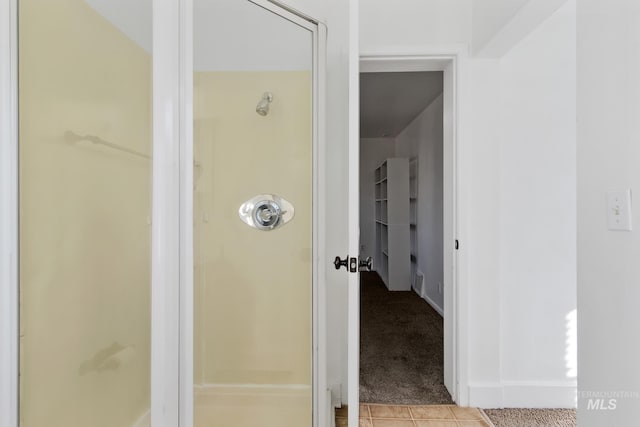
415	416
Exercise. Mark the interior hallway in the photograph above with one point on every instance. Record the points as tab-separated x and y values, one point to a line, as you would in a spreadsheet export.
401	347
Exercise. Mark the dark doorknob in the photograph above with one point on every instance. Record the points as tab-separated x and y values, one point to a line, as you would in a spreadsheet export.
341	263
366	264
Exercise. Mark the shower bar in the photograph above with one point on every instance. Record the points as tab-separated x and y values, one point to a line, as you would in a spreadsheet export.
74	137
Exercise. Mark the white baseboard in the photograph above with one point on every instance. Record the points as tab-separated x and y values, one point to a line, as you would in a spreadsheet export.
144	420
434	305
516	394
420	288
486	396
540	394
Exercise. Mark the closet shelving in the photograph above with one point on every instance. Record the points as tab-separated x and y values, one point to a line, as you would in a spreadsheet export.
392	219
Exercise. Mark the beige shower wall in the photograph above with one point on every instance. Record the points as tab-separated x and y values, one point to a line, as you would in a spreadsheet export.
84	209
253	319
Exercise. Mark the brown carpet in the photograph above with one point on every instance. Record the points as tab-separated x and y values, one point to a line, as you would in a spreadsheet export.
532	417
401	347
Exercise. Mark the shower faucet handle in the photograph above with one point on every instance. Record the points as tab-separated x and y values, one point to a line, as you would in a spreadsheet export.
266	212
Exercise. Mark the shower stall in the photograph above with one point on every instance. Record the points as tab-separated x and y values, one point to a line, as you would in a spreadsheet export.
169	234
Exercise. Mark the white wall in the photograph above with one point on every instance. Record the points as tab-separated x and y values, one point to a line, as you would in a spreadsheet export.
538	203
608	158
422	138
522	254
413	24
489	15
483	239
507	34
373	151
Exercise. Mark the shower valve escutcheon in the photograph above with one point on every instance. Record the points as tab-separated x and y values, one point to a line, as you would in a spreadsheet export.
266	212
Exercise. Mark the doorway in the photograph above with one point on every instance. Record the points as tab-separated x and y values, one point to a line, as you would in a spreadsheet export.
401	217
453	289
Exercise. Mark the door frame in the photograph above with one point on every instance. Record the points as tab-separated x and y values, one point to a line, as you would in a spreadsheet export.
451	60
172	213
9	297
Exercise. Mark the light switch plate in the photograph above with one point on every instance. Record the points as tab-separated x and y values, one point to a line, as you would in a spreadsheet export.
619	210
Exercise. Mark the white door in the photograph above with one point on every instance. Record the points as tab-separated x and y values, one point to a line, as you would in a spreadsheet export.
353	213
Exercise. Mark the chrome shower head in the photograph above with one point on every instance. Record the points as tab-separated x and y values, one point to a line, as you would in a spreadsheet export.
263	106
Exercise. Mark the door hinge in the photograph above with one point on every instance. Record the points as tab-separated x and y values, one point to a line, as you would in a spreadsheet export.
457	245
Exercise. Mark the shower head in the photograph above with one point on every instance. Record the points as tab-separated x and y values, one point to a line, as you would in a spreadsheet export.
263	106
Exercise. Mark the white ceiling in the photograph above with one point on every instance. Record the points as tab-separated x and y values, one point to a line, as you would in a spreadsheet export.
390	101
230	35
